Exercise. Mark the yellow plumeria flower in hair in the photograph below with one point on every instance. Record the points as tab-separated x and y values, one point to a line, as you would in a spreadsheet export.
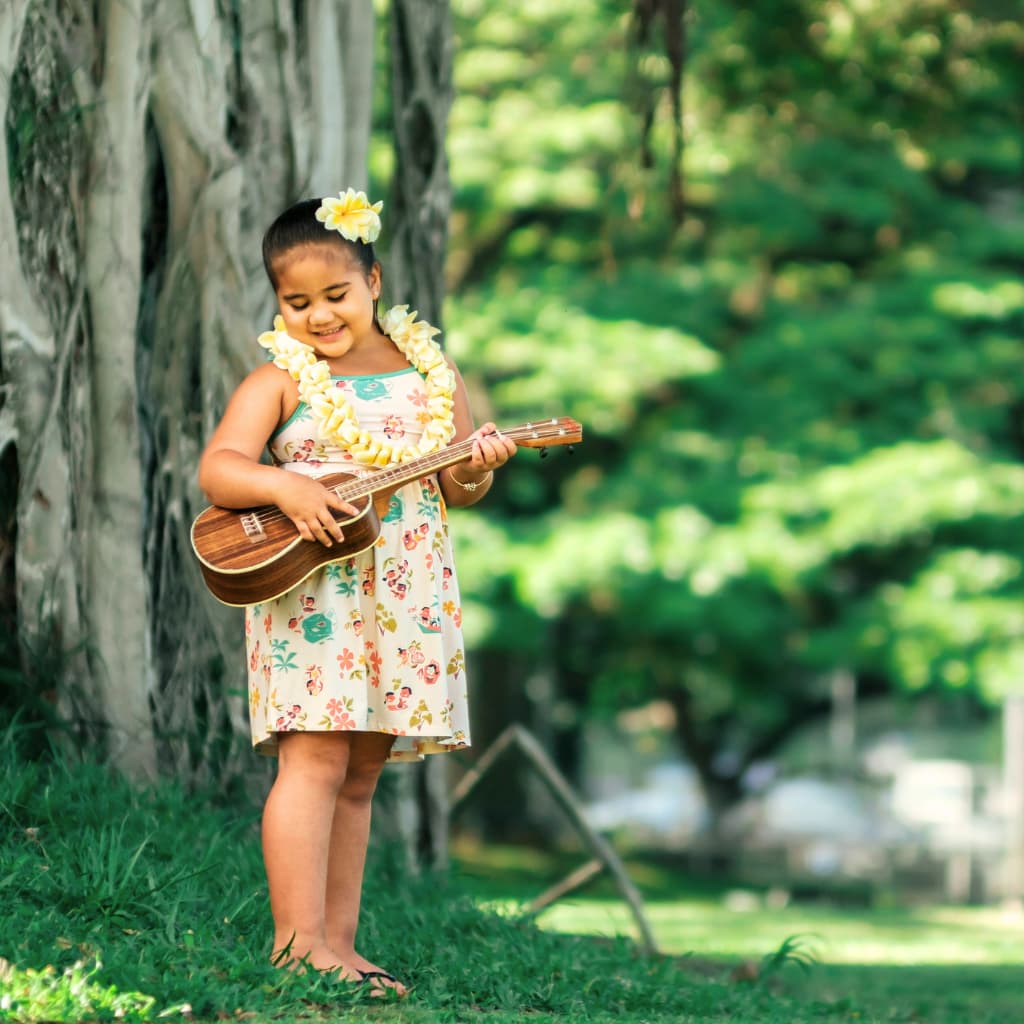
352	215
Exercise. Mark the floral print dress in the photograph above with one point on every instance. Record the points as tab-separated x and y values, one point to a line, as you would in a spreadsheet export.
373	642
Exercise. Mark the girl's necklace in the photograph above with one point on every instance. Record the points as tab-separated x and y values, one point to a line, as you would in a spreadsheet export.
336	419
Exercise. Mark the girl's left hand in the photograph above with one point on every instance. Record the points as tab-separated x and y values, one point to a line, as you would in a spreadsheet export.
491	449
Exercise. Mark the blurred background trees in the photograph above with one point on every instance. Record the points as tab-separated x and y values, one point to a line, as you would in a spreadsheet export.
802	470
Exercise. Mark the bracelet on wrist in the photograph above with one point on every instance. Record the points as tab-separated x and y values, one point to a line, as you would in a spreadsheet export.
472	485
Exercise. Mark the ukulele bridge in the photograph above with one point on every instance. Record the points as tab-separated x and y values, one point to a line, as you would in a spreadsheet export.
252	526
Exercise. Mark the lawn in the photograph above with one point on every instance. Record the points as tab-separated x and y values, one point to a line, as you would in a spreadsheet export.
955	965
144	906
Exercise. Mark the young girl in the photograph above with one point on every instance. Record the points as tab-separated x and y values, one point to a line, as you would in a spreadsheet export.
363	661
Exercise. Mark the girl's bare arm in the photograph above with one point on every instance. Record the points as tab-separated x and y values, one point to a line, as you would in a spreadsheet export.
491	450
231	475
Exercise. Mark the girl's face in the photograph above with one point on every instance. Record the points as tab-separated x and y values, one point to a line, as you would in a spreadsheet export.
326	299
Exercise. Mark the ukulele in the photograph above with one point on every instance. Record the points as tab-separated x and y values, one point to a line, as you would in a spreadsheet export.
252	555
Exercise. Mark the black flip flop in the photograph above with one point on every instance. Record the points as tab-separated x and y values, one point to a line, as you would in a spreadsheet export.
365	976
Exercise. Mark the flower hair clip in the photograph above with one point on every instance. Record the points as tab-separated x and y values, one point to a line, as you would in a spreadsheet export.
352	215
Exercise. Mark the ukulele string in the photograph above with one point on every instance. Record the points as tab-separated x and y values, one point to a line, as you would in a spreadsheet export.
438	460
356	488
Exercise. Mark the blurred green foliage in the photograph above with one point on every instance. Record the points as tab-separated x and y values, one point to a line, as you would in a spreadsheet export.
802	401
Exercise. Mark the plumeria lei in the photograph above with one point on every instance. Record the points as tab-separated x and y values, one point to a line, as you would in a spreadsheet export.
336	419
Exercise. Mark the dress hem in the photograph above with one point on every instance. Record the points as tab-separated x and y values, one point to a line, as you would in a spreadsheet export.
420	745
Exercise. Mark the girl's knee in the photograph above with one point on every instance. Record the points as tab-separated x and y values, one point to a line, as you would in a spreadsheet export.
361	781
315	756
363	773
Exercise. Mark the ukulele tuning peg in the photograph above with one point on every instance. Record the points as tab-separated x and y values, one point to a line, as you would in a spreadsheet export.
570	448
543	453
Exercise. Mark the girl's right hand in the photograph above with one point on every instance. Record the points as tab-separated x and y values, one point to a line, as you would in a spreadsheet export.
308	504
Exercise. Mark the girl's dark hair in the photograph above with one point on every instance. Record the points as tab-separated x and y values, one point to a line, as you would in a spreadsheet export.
298	226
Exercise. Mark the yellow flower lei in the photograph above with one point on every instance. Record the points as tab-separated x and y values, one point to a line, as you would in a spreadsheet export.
336	419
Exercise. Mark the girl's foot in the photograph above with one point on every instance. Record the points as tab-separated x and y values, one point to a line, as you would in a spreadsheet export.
358	970
317	958
376	975
381	983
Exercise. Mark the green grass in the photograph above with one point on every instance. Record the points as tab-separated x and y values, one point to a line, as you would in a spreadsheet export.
133	905
955	965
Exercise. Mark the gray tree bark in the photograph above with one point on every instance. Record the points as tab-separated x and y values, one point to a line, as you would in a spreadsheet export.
194	123
421	45
40	411
117	610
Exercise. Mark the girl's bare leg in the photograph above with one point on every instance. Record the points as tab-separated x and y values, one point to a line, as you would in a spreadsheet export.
350	834
297	834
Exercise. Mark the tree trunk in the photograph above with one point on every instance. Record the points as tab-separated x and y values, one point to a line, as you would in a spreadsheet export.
128	314
117	612
421	44
38	417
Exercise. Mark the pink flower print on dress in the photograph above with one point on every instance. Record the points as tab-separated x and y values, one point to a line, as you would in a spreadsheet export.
374	658
341	713
346	660
254	657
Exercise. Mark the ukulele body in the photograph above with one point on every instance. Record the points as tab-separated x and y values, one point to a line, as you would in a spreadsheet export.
251	555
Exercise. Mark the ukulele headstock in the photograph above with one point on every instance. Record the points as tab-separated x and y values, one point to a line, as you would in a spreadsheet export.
546	433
